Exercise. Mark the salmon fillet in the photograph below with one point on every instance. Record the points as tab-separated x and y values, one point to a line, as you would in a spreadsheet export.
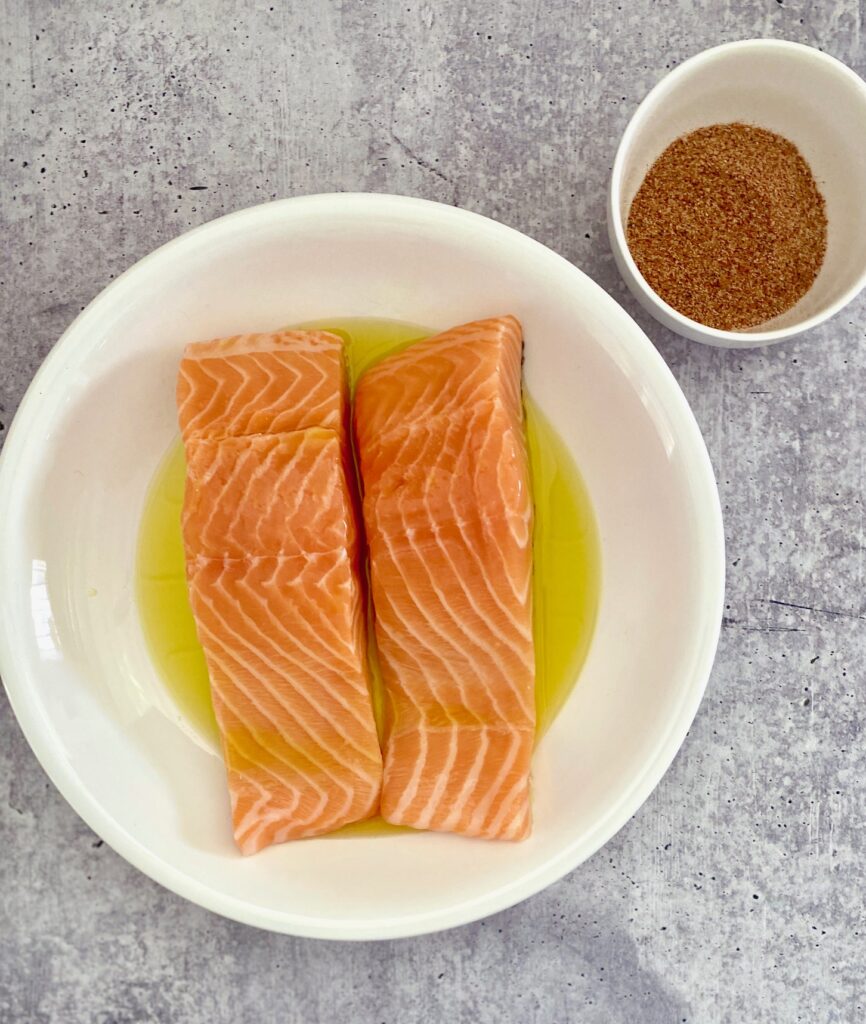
262	384
295	499
448	515
273	571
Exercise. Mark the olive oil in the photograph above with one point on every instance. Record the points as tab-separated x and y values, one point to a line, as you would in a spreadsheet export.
163	601
566	554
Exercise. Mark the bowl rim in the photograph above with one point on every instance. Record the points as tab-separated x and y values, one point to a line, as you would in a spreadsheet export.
19	672
683	325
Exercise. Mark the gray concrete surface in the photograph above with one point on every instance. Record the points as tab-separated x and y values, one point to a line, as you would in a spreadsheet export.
737	892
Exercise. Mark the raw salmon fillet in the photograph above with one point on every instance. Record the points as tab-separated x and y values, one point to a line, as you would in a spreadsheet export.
262	384
272	565
448	514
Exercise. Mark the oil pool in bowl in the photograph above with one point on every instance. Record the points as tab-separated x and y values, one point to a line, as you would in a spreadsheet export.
566	554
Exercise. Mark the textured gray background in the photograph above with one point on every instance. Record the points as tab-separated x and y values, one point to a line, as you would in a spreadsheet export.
737	892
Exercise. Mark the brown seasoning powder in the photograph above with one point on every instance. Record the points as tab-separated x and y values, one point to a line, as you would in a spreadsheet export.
728	226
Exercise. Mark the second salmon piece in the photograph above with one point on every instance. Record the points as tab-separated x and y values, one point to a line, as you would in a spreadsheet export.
275	581
448	514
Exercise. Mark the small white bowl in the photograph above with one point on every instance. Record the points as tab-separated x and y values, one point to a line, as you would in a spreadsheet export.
801	93
73	478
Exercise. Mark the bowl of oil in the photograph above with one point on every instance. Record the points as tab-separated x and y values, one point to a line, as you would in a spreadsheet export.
98	649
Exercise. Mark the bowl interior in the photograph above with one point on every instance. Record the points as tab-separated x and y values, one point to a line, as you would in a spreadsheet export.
789	89
99	418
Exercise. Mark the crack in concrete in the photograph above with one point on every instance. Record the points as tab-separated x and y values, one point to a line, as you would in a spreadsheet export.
425	165
728	621
812	608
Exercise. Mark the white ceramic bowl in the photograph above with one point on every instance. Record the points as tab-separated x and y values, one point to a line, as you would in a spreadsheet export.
801	93
98	418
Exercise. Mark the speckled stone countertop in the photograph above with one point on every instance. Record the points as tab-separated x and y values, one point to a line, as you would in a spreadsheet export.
737	891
